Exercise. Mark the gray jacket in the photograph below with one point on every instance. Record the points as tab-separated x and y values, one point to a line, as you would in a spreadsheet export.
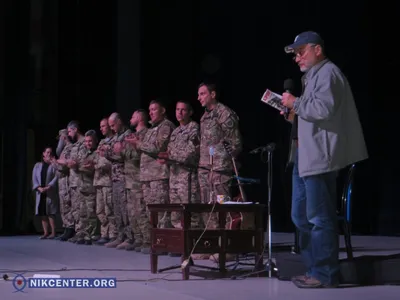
330	135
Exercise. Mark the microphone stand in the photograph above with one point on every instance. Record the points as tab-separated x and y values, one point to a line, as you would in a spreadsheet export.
270	265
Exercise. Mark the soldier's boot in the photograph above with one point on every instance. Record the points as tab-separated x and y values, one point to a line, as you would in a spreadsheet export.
95	238
102	241
145	249
63	234
132	247
113	244
124	244
84	241
74	239
70	232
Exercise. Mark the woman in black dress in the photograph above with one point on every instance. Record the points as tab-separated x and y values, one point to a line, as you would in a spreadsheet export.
44	181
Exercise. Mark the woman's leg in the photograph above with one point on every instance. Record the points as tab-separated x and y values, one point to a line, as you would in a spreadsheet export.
52	226
45	225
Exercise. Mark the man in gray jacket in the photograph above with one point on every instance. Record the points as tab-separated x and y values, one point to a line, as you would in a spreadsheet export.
327	136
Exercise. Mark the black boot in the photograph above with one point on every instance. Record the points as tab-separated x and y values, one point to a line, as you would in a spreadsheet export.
69	234
63	234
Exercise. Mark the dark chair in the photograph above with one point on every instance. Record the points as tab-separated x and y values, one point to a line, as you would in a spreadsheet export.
344	214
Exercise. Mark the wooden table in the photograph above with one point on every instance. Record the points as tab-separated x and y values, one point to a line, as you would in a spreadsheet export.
220	240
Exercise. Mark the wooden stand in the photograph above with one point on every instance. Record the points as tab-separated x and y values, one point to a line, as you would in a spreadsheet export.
221	240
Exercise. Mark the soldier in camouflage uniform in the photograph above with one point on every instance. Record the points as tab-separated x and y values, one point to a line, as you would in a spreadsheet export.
118	180
184	148
64	149
103	184
74	179
138	220
218	124
87	208
153	175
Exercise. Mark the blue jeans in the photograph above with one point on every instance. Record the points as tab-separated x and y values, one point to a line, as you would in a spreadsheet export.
314	215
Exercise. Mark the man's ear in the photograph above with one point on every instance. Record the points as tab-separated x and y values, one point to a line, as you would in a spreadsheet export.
213	94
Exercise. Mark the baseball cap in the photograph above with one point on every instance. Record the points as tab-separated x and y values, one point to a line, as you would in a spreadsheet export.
307	37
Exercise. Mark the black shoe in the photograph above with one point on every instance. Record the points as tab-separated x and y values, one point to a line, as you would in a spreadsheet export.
80	241
88	242
102	241
63	234
68	235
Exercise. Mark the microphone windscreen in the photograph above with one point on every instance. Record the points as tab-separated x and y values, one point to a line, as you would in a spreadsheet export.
288	85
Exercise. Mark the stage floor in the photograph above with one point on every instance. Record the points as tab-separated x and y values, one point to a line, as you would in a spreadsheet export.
132	269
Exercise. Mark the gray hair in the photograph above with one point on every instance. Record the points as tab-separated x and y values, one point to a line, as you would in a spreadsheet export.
92	133
114	116
73	124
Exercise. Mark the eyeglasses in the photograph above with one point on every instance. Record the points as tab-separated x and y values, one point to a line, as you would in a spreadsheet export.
302	52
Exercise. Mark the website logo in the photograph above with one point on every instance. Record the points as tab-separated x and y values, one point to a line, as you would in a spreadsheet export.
19	282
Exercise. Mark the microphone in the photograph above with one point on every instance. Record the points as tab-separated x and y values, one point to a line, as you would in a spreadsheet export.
288	86
211	152
269	147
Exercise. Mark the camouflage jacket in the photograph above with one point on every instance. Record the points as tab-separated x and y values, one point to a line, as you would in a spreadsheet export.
116	159
86	175
216	126
63	171
184	147
102	167
76	151
132	162
155	141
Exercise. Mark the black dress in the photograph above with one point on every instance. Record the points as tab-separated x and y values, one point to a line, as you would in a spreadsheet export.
42	211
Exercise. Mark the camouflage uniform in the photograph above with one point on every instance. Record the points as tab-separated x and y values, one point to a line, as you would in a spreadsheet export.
74	181
87	208
184	148
63	189
216	126
137	216
118	187
153	175
103	185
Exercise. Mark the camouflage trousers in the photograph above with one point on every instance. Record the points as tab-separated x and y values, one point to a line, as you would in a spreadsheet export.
65	203
157	192
184	189
217	183
87	228
120	208
105	212
75	206
139	219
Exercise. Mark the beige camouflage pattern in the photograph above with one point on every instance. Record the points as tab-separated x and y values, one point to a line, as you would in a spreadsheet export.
156	192
102	174
76	151
118	183
102	183
74	180
155	141
184	148
87	208
139	219
63	189
120	206
135	216
216	126
116	159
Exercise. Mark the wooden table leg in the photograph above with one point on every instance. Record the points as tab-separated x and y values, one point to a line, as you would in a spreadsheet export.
154	263
153	254
186	269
